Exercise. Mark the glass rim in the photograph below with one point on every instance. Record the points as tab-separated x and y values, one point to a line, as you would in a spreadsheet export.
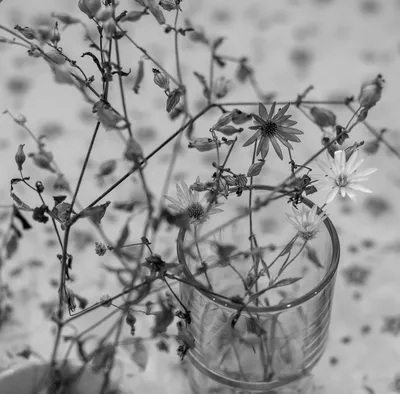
330	274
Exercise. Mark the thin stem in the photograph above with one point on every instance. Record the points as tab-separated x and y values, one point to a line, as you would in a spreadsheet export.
269	102
88	153
201	258
158	65
154	152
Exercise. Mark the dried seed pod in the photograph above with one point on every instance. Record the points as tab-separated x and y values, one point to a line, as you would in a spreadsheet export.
173	99
323	117
203	144
161	79
89	7
371	92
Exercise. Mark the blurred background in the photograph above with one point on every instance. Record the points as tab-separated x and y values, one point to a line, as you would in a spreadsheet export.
334	45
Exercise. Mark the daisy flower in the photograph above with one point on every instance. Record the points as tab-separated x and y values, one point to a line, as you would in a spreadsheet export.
188	202
275	128
342	176
306	221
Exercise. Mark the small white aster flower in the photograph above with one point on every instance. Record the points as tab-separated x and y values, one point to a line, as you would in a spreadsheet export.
188	201
306	221
342	177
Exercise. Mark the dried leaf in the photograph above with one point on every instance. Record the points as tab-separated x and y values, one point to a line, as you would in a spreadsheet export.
96	213
286	282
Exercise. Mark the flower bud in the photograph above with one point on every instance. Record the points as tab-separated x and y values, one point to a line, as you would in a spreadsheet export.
109	28
173	99
104	14
70	299
371	92
89	7
221	87
20	157
255	168
229	130
323	117
203	144
224	119
169	5
240	117
133	151
161	79
55	35
20	120
27	32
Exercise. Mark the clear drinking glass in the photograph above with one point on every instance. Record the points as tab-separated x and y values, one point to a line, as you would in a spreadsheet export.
274	342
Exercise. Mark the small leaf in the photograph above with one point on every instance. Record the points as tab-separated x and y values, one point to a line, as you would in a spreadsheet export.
286	282
312	255
140	354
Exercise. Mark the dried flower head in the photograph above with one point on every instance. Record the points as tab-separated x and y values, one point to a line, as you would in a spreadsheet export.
188	202
306	221
273	128
342	176
100	248
203	144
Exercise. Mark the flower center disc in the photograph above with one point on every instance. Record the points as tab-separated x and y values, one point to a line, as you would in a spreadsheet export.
342	180
270	128
195	211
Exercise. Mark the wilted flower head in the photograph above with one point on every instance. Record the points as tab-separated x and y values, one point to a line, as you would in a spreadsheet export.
106	115
306	221
273	128
104	14
27	32
342	176
188	202
371	92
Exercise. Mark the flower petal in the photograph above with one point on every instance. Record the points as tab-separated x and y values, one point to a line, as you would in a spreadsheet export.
276	146
262	111
291	130
252	138
332	194
264	148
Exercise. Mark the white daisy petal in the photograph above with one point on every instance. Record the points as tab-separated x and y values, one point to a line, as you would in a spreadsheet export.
332	194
